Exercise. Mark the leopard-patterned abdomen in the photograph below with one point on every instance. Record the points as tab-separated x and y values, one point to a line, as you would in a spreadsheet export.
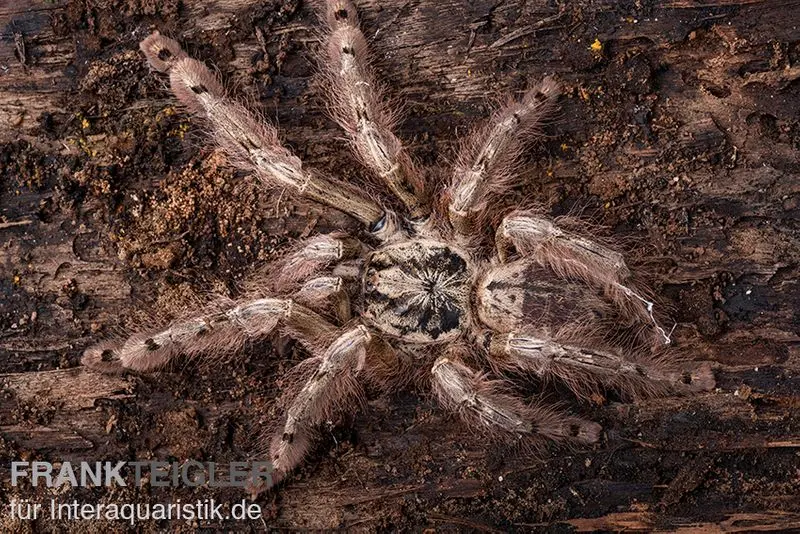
417	291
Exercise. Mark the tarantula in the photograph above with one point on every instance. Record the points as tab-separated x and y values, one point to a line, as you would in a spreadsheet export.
421	294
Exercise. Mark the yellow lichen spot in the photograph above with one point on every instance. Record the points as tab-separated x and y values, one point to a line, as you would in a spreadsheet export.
166	112
596	47
180	131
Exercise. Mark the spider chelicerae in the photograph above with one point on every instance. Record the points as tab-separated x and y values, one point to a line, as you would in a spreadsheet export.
422	296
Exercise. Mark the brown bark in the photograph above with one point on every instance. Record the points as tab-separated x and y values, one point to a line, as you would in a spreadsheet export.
679	130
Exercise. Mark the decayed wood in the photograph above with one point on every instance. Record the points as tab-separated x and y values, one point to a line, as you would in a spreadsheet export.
66	404
678	129
647	522
27	92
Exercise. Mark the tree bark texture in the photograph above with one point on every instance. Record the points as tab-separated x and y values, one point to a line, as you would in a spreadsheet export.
679	133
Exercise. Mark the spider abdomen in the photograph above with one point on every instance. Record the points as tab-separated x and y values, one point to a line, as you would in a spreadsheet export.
523	294
418	291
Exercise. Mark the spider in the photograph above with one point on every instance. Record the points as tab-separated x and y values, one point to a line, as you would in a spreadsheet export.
424	292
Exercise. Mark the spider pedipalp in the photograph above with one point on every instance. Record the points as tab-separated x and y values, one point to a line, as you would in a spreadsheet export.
414	291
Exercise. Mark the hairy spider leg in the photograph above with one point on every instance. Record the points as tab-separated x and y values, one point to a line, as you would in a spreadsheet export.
358	103
488	160
575	257
486	404
249	142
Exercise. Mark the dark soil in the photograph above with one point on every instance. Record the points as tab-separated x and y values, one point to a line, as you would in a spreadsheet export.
679	133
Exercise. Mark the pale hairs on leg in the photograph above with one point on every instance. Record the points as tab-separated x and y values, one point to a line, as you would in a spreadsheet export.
330	387
486	405
250	143
358	103
311	257
488	160
162	52
102	357
326	294
574	256
222	328
587	371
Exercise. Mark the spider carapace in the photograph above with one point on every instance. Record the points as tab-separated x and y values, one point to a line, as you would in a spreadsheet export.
426	293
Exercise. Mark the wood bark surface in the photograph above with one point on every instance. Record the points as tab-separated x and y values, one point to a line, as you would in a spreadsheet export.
679	133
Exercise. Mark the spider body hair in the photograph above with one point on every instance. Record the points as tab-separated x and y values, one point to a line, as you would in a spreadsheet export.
417	298
161	52
574	256
329	387
489	406
309	258
253	145
223	327
357	101
489	159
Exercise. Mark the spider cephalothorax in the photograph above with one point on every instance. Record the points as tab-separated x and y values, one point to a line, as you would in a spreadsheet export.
418	290
549	302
